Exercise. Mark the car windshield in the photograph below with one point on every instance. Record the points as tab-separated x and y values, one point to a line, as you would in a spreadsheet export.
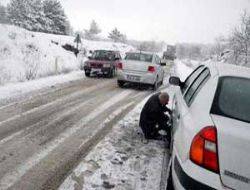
233	98
103	55
139	57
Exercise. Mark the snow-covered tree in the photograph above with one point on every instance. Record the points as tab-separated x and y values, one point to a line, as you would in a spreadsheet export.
3	15
116	36
27	14
92	32
56	20
18	10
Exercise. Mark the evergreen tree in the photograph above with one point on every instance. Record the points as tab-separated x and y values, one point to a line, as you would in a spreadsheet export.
56	20
116	36
93	31
17	13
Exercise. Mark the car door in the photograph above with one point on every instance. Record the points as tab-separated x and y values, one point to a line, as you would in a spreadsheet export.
185	119
178	101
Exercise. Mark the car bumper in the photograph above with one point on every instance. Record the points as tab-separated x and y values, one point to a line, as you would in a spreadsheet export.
188	175
103	70
144	78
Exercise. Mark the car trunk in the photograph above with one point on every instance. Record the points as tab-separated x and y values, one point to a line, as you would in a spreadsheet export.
233	151
136	66
98	63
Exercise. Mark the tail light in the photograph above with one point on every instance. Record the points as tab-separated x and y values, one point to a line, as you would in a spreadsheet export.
151	69
119	66
203	151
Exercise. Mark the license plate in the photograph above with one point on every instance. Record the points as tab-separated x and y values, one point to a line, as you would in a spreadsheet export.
96	70
133	78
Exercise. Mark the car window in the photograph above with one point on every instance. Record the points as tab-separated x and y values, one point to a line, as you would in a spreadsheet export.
103	55
139	57
232	98
196	86
191	78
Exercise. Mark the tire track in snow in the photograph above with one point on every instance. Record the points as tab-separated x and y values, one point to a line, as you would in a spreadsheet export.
12	177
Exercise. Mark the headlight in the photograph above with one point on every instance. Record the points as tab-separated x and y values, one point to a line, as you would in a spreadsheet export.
106	65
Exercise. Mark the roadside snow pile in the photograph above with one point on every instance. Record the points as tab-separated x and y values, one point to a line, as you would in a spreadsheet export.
182	70
26	55
16	89
120	161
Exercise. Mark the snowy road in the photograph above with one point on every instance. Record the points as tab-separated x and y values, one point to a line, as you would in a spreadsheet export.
44	136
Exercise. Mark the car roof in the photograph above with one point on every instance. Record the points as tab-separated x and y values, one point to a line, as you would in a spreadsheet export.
226	69
144	52
113	51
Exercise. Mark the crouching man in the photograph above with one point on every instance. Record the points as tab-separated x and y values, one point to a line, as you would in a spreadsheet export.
153	117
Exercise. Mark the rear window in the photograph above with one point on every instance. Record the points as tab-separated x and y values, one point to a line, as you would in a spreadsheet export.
139	57
232	98
103	55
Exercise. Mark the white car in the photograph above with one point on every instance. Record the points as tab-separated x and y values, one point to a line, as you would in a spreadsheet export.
211	129
141	68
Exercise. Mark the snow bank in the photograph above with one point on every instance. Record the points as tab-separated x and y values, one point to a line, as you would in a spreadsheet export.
26	55
17	89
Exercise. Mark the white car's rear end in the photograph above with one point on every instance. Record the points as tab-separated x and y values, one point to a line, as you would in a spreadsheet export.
143	68
211	132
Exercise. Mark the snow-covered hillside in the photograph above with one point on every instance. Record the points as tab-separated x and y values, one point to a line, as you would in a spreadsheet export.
26	55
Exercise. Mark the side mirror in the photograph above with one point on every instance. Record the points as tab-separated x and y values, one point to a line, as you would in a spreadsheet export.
175	81
163	63
117	59
89	57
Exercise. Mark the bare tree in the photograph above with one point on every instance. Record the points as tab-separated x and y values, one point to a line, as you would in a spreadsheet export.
240	41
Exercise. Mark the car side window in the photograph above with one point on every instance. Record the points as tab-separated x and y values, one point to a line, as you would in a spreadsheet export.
191	78
196	86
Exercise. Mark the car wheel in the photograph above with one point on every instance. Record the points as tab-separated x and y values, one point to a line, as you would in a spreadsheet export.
155	85
120	83
112	73
87	74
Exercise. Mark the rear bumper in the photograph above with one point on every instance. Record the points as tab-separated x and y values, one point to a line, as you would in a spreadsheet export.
185	181
145	78
103	70
187	175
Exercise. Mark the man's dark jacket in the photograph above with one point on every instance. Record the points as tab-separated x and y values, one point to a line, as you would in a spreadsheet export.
153	112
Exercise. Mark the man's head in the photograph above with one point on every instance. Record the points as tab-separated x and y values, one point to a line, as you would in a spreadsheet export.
164	98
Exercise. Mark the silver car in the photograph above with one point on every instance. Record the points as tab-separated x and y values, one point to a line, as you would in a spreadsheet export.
141	68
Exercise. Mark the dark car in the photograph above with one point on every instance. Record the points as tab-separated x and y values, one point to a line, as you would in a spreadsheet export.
102	62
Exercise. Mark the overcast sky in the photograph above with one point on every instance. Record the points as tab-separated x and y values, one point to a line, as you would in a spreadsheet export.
169	20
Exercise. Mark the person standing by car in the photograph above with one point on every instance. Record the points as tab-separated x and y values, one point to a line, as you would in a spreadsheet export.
153	117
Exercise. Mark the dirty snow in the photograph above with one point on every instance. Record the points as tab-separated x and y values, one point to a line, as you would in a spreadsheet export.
121	160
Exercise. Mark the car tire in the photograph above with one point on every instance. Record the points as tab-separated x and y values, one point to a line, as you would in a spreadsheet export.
120	83
87	74
111	73
155	85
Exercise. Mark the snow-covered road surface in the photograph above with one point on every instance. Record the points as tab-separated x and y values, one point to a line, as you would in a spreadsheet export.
45	135
121	161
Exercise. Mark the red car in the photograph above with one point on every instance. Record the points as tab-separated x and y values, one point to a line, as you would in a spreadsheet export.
102	62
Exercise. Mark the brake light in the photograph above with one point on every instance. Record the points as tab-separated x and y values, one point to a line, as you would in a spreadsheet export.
119	66
203	151
151	69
